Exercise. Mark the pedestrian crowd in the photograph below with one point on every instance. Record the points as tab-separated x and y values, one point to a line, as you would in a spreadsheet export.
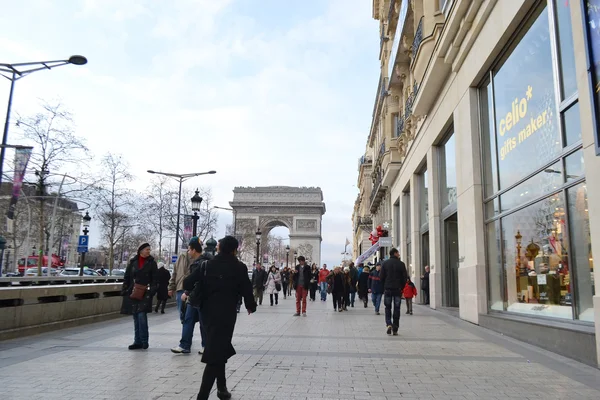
209	290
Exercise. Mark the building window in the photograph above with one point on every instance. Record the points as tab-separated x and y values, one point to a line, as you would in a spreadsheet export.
448	173
424	200
537	234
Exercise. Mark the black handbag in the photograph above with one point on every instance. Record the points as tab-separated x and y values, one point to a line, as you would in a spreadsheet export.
278	286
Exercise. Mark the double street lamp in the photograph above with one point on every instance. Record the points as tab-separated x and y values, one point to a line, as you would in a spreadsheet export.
14	72
258	236
181	178
86	224
196	201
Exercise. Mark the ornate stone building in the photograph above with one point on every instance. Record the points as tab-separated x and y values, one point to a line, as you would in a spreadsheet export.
483	130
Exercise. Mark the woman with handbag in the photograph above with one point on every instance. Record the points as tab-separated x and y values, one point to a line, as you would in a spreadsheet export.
314	279
273	285
139	287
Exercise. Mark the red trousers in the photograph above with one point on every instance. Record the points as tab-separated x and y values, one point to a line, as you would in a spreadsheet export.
301	293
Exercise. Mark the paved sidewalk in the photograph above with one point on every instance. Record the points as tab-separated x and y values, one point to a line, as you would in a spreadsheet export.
324	356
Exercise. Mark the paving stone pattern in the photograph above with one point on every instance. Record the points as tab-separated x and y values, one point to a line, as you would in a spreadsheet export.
326	355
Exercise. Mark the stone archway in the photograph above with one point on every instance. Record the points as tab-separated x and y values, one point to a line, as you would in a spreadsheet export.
300	209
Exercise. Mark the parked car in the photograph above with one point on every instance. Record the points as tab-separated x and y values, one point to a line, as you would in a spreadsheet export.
75	272
118	272
34	272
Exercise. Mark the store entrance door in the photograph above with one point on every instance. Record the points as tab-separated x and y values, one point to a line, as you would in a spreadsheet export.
451	260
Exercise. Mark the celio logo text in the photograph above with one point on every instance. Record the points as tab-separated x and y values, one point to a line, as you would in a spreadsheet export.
519	112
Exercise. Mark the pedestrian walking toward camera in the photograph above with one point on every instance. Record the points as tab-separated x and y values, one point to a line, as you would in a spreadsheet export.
323	274
409	292
314	282
393	278
215	287
139	286
353	272
375	287
301	279
259	279
273	285
162	295
363	286
336	288
285	281
347	282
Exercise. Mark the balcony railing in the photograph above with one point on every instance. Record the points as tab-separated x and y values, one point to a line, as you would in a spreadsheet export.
381	151
376	184
408	105
418	38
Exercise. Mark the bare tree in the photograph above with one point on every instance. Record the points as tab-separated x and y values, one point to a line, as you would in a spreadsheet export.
113	201
207	222
55	145
157	207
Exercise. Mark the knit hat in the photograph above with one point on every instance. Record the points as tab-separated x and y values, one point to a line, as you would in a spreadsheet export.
195	244
142	247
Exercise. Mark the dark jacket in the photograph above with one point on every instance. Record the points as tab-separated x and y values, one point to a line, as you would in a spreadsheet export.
285	277
375	282
363	284
224	281
147	275
314	275
164	276
353	279
425	281
336	282
393	274
307	275
259	278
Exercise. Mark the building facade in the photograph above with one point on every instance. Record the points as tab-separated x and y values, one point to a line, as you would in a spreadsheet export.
483	143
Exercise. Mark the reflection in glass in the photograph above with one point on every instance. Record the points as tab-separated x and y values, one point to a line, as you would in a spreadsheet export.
490	167
572	125
574	165
448	162
451	261
545	182
491	208
526	121
495	270
581	251
424	214
565	43
424	251
538	275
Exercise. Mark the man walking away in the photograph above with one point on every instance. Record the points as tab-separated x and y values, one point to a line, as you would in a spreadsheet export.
375	287
393	278
301	283
216	287
425	284
323	274
259	280
164	276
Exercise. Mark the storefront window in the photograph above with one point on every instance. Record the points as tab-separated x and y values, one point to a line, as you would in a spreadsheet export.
490	166
526	121
581	251
536	257
424	200
565	44
574	165
448	162
572	125
496	273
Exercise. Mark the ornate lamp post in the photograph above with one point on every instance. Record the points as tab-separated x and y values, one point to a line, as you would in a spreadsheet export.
295	256
196	201
258	236
86	224
287	255
518	239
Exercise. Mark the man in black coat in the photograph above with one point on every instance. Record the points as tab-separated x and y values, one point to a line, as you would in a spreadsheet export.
425	284
217	285
301	285
259	279
393	279
162	295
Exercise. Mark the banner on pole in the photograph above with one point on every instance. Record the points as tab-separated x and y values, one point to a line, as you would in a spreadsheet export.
21	159
187	229
367	254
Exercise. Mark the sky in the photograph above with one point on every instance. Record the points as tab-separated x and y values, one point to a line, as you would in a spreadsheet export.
265	92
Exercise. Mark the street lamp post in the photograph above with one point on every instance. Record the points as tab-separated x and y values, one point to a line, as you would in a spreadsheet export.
181	178
14	72
295	256
196	201
258	236
234	216
287	255
86	224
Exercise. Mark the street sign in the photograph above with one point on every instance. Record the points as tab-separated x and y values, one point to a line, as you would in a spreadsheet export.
173	259
82	244
385	242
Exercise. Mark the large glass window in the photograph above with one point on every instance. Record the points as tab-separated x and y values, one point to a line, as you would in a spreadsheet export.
424	199
537	235
448	162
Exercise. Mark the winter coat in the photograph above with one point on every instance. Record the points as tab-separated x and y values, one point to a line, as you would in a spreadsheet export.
314	276
223	280
393	275
285	277
353	279
163	284
425	281
323	274
306	271
259	278
363	284
180	271
336	282
271	280
147	275
375	282
409	291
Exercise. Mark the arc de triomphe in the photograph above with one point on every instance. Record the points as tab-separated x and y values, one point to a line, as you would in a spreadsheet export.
300	209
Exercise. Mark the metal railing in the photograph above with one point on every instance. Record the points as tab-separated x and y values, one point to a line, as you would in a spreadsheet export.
57	280
418	38
364	160
376	184
408	106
